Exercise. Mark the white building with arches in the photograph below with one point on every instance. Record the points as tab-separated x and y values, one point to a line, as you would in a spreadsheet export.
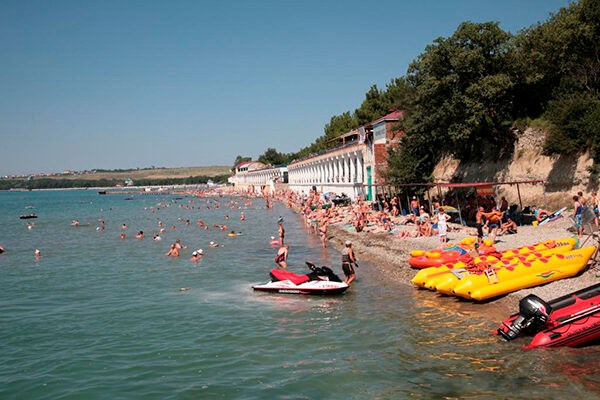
355	167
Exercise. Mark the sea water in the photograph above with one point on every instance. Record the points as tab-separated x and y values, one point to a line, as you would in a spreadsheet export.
97	317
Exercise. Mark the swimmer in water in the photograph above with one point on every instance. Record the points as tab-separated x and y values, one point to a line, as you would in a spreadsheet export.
37	254
197	255
140	235
173	251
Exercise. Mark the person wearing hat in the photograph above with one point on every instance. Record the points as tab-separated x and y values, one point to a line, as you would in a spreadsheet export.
281	230
197	255
348	259
414	207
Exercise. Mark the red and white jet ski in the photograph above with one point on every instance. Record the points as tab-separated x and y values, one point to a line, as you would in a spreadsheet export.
321	281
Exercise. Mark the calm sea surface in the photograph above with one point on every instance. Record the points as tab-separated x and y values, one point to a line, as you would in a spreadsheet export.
101	318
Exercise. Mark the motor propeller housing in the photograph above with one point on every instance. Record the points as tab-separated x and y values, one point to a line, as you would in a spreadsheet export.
533	315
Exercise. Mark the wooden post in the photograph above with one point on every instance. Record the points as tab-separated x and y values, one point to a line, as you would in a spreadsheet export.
520	201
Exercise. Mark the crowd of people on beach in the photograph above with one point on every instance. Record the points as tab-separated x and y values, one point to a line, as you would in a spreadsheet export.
490	217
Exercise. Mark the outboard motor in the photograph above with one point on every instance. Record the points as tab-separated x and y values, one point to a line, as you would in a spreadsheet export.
533	315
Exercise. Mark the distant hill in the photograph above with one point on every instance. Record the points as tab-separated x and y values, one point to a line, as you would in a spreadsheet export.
150	173
111	178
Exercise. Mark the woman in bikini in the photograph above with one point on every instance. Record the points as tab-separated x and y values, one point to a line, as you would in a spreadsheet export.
282	255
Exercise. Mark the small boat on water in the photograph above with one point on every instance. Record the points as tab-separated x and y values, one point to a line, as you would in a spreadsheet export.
321	281
28	216
571	320
101	191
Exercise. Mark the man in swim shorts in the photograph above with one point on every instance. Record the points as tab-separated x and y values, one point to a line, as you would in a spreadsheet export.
479	224
414	207
493	220
348	259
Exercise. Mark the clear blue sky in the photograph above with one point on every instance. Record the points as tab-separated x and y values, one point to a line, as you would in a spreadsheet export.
125	84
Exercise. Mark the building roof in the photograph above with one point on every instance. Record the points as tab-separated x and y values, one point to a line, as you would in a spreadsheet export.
243	164
251	165
393	116
354	132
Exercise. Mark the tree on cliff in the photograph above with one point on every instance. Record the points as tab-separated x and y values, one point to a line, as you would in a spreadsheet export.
376	104
463	93
562	59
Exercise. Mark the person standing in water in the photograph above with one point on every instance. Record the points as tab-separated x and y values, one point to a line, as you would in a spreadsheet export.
323	234
348	259
281	231
173	251
282	255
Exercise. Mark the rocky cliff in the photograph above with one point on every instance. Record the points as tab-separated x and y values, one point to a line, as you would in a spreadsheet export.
563	176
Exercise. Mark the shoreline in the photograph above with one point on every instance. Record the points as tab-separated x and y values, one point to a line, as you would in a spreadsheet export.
390	255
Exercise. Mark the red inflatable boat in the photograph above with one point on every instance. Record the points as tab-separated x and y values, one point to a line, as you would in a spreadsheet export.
570	320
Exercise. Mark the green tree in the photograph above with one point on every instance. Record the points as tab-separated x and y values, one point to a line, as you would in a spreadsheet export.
273	157
560	65
559	53
398	95
340	124
462	91
375	105
240	159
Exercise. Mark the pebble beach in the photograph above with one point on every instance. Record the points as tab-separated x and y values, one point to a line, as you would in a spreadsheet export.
390	253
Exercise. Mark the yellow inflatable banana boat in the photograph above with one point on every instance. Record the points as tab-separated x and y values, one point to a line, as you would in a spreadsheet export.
492	282
431	277
446	284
